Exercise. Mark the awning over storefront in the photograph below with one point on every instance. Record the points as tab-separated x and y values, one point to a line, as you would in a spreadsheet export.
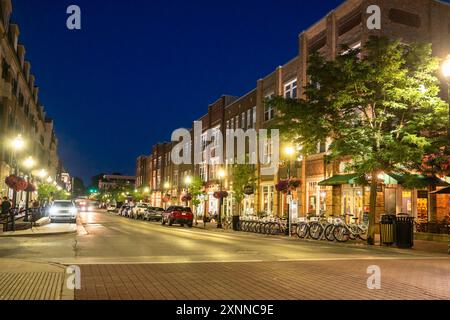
417	181
340	180
442	191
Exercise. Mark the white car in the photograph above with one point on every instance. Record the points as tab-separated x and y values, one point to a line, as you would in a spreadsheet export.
139	210
63	210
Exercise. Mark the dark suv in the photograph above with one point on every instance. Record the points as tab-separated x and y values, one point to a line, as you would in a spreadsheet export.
178	215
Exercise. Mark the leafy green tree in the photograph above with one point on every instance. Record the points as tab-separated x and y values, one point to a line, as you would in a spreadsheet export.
243	176
196	190
49	192
380	107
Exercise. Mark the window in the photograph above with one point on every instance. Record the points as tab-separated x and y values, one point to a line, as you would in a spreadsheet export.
203	172
290	89
243	120
406	18
228	124
236	121
267	199
254	117
249	118
268	109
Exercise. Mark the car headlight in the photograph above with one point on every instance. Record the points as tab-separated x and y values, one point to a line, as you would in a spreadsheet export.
53	210
90	208
73	211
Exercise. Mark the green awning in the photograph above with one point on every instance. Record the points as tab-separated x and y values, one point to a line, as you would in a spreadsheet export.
340	179
417	180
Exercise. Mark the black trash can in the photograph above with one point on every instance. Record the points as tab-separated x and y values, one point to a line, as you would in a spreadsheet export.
387	229
404	231
236	224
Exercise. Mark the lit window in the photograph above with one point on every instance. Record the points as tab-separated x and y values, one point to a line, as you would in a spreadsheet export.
290	89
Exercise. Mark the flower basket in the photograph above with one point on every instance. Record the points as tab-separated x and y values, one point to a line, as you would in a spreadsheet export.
294	183
282	186
30	188
249	190
16	183
186	197
220	194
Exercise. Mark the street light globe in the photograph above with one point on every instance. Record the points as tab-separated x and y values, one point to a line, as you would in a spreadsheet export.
167	185
222	173
188	180
29	163
446	68
18	143
146	189
42	173
289	151
49	179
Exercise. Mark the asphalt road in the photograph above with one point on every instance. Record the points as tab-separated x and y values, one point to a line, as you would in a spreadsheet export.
114	239
127	259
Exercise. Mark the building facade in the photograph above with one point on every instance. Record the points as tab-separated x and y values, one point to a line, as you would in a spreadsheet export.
325	187
21	112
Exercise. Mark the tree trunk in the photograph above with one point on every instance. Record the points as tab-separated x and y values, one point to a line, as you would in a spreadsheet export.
373	208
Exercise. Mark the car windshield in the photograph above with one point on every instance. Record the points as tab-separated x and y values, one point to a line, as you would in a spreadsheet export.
63	204
177	208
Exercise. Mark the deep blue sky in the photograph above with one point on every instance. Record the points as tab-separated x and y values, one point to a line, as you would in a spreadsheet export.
139	69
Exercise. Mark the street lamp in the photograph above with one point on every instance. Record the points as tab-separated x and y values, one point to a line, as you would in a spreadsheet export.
42	173
187	181
166	189
16	144
446	74
49	179
289	152
29	163
221	174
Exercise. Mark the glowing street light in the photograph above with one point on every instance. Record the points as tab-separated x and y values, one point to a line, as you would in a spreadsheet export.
289	151
29	163
42	173
146	189
188	180
49	179
167	185
18	143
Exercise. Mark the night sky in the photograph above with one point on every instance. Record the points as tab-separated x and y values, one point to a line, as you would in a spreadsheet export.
139	69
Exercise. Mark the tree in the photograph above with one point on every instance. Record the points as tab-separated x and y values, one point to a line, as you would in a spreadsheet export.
196	190
49	192
380	107
243	177
78	187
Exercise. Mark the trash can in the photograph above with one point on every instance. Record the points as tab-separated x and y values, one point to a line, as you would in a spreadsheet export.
387	224
404	231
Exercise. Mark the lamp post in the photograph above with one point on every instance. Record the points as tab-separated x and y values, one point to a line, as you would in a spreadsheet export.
289	151
446	74
17	144
221	175
166	188
29	164
187	182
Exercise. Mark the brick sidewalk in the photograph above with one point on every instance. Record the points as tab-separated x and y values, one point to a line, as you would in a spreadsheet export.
306	280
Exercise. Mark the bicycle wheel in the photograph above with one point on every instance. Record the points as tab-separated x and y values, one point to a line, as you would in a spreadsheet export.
302	230
341	234
275	229
315	230
363	234
329	232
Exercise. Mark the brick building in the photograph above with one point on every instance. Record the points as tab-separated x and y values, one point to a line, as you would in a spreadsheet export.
325	187
21	111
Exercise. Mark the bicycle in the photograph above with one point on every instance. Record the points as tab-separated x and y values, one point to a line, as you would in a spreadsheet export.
343	232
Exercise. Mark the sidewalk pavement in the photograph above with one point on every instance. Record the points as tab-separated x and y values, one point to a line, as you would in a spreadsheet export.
24	280
49	229
419	245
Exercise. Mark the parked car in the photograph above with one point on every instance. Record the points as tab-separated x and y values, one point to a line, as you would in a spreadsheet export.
63	210
154	214
114	207
138	211
125	210
178	215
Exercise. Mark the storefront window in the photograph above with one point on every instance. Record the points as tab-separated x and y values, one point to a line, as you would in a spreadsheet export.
267	199
422	206
352	201
249	205
407	202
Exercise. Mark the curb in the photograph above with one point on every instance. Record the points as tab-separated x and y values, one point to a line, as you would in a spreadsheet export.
38	234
